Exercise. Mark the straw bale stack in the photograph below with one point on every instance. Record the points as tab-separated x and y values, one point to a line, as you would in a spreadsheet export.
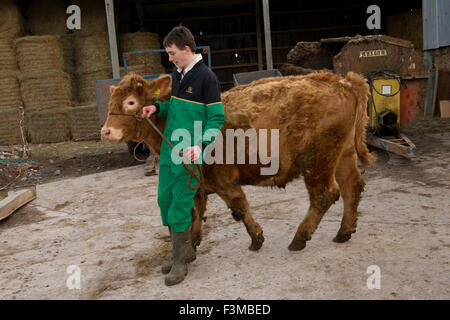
68	52
93	17
47	17
11	22
143	70
48	126
84	124
39	53
91	52
9	127
85	84
44	90
92	62
9	91
139	41
8	60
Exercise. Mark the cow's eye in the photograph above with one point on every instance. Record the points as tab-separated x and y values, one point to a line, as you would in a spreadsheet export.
131	103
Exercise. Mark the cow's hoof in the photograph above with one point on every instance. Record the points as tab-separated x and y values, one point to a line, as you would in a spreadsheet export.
297	245
257	242
342	237
196	241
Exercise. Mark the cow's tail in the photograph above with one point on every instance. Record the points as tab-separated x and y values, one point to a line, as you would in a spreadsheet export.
361	89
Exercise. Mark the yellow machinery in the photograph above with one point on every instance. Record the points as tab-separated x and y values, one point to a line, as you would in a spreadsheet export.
384	114
384	105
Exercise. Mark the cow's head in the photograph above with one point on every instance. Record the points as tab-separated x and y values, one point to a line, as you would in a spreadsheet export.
132	93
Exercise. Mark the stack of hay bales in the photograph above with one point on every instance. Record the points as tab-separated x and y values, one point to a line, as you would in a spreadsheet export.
142	64
11	23
10	28
45	88
84	123
143	69
93	17
48	17
92	61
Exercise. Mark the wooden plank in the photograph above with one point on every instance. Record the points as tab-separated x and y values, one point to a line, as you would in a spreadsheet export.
231	66
407	149
233	50
320	10
445	108
245	14
15	200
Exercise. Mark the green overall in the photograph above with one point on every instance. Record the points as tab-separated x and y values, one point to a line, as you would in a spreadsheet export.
194	116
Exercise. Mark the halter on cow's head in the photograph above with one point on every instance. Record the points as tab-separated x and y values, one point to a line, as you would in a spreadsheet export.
126	103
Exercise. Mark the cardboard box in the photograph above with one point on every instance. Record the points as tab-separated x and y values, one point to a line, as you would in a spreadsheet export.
445	108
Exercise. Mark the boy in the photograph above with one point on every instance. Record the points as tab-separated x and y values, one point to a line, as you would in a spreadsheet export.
195	97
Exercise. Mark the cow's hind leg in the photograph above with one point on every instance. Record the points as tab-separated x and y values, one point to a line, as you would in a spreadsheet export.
323	192
234	197
198	213
351	185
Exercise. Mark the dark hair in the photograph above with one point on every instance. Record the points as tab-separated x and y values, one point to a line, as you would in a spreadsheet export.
181	37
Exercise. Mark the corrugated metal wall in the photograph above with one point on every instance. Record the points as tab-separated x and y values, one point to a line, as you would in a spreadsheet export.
436	23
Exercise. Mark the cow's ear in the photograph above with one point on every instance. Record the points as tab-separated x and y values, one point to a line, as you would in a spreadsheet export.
112	88
162	85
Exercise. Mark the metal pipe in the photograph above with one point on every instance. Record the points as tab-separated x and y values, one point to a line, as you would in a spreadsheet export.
258	36
109	7
267	35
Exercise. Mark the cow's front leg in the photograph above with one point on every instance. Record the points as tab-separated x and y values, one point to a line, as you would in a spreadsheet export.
197	220
234	197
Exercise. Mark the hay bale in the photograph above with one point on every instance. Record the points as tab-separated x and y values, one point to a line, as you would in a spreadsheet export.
91	52
84	124
85	84
67	52
47	17
48	126
43	90
39	53
8	60
9	91
9	127
11	22
93	17
144	70
138	41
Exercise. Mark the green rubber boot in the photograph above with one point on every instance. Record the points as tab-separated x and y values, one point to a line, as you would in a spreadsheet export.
190	255
180	244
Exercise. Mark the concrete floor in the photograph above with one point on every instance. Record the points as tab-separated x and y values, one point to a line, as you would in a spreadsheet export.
108	226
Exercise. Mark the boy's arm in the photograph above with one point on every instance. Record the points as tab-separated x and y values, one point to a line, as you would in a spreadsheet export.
162	108
215	116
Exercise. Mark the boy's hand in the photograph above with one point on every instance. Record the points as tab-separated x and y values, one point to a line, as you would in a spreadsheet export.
148	111
192	153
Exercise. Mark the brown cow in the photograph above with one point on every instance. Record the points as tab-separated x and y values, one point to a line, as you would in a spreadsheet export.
321	119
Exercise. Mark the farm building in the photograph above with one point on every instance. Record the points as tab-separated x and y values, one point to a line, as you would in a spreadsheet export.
51	70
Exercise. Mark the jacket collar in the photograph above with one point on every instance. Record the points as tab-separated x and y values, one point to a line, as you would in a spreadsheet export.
198	57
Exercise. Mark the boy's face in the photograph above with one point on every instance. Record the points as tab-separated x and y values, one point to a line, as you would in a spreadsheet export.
181	58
